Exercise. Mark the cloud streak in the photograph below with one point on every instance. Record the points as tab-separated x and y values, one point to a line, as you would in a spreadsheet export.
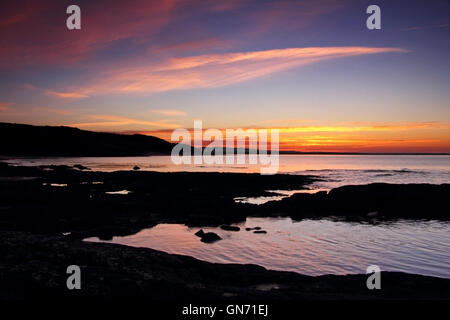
4	106
66	95
170	113
217	70
436	26
114	121
389	127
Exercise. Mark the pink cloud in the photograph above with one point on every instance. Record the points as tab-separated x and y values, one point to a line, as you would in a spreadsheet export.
66	95
170	112
34	32
4	106
216	70
107	120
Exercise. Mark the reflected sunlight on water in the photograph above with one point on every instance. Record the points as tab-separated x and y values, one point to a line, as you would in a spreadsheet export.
336	170
312	247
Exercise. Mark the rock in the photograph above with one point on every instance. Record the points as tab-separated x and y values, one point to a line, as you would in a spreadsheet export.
207	237
80	167
260	231
229	294
229	228
254	228
136	168
210	237
200	233
353	202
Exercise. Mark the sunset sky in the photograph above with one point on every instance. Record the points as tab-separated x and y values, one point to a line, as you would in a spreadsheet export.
309	68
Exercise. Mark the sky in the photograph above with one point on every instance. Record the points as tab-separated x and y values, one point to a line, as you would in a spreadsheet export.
311	69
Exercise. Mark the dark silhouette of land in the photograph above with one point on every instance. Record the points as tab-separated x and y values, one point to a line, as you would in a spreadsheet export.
28	140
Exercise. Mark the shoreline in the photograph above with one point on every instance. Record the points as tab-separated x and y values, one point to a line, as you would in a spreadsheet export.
111	271
34	214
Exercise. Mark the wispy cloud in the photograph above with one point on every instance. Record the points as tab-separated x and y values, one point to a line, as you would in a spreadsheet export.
435	26
368	127
4	106
106	120
367	136
34	33
54	93
170	112
66	95
286	121
216	70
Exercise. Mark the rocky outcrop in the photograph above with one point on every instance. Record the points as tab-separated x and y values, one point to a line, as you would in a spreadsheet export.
361	202
83	208
207	237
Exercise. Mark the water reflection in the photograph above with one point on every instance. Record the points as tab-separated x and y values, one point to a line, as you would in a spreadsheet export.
278	195
312	247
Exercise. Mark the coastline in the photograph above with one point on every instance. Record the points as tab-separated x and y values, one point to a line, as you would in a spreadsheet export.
112	271
35	213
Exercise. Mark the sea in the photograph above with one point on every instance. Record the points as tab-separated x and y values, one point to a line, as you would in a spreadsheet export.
311	247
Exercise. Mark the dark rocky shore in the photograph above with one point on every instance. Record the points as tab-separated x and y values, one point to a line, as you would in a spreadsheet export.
371	202
38	204
34	266
53	200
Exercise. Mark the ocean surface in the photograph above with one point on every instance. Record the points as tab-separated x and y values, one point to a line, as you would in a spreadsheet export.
312	247
336	170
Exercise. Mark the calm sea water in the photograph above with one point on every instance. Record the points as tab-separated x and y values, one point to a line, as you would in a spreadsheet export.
312	247
337	170
308	247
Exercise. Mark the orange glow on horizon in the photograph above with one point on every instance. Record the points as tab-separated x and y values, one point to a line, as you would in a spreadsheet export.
396	137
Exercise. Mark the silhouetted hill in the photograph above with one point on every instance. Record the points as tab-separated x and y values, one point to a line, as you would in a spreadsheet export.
28	140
